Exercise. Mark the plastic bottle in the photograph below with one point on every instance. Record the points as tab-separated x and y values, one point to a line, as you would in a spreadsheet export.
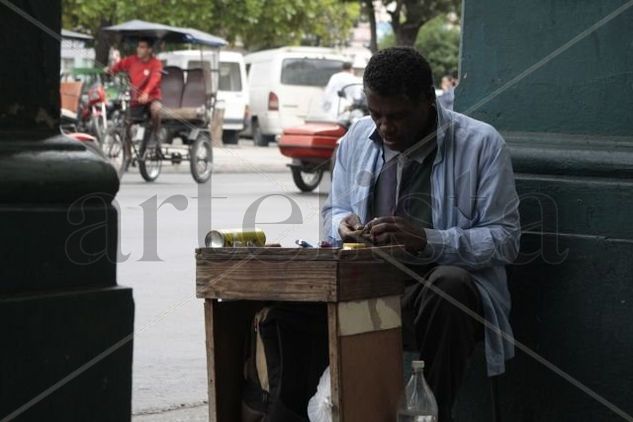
418	403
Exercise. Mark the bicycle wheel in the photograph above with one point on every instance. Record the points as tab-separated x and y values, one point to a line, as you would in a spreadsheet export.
150	157
113	149
201	158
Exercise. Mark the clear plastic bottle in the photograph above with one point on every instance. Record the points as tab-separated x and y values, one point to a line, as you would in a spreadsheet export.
418	403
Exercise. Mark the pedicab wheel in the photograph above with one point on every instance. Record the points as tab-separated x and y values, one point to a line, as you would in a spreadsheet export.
113	149
150	161
201	158
306	181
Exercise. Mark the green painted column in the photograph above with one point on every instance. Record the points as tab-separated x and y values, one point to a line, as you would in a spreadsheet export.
556	79
65	324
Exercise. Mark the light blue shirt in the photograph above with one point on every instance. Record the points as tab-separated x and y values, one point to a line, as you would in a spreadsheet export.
474	207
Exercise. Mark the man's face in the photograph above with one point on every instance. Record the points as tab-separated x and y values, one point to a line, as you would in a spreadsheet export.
143	50
400	122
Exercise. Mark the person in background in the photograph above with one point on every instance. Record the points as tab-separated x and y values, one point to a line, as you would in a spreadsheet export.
339	80
447	99
441	184
145	73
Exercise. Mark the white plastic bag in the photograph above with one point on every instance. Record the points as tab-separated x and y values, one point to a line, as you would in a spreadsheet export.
320	405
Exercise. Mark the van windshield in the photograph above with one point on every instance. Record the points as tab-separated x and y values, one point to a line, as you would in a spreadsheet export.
308	72
230	79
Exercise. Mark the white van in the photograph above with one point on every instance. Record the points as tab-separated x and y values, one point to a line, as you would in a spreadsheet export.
286	84
232	88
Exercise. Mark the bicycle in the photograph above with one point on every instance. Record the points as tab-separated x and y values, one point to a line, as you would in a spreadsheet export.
121	143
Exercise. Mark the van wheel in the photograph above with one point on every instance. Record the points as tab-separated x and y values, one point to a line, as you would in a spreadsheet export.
305	181
230	137
259	138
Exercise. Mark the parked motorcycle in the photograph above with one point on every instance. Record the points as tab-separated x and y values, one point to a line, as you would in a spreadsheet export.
83	102
312	145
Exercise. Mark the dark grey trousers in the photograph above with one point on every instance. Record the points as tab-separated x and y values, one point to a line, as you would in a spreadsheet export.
444	335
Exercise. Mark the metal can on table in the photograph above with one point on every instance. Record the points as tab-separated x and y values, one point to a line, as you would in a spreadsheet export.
229	238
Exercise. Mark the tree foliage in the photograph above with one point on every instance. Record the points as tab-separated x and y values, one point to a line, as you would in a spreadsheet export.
257	23
438	41
408	16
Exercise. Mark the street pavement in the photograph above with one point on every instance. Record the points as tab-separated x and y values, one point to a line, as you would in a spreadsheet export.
161	225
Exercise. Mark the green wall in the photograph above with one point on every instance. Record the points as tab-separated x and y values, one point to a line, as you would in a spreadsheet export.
585	89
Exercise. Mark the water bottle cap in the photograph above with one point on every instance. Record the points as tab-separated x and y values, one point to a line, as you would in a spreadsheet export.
417	364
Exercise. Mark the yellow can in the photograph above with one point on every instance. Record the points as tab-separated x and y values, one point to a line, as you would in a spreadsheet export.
233	238
348	246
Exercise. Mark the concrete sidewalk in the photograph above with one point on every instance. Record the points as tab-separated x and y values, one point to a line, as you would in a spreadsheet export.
199	413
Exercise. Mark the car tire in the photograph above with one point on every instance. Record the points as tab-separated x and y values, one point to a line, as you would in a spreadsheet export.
230	137
259	138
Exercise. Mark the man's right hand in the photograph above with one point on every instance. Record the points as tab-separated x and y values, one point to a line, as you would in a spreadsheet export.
350	228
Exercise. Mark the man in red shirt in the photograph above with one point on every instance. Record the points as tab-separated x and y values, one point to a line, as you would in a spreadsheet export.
144	72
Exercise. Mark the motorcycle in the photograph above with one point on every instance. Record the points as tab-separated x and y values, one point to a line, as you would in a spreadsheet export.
312	146
83	107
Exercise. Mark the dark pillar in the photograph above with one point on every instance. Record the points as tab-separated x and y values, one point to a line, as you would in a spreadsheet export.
555	77
65	326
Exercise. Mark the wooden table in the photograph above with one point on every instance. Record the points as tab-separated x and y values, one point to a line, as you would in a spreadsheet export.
362	293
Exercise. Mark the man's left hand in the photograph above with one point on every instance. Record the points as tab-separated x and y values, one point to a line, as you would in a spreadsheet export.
396	231
143	98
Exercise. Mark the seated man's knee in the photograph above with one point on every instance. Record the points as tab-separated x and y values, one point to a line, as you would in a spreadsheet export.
454	281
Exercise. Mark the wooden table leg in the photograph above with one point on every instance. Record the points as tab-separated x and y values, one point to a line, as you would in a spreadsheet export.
334	355
211	377
366	367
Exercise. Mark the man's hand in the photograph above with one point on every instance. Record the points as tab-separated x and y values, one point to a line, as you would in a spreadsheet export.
350	229
143	98
396	231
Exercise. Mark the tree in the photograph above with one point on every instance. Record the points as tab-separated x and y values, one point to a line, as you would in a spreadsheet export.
408	16
438	41
257	23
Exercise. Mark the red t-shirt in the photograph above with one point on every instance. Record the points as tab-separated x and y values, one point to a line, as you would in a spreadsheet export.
144	76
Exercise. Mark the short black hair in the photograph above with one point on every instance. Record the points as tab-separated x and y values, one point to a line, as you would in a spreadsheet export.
347	65
399	71
148	40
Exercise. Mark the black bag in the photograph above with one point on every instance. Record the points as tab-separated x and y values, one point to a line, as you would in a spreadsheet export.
287	352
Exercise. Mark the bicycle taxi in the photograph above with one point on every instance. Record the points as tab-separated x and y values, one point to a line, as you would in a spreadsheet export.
188	102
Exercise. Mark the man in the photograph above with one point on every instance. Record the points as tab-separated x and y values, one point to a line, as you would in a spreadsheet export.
448	92
144	71
441	184
339	80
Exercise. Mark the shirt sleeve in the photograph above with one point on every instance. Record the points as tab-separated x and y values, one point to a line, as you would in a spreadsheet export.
338	204
121	65
494	236
154	77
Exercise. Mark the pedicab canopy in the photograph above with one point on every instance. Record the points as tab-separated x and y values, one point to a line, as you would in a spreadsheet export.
170	34
175	35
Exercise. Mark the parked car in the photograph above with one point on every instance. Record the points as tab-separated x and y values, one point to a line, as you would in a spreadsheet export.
285	84
232	87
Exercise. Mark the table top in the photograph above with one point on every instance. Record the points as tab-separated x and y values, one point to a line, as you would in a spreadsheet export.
298	274
303	254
